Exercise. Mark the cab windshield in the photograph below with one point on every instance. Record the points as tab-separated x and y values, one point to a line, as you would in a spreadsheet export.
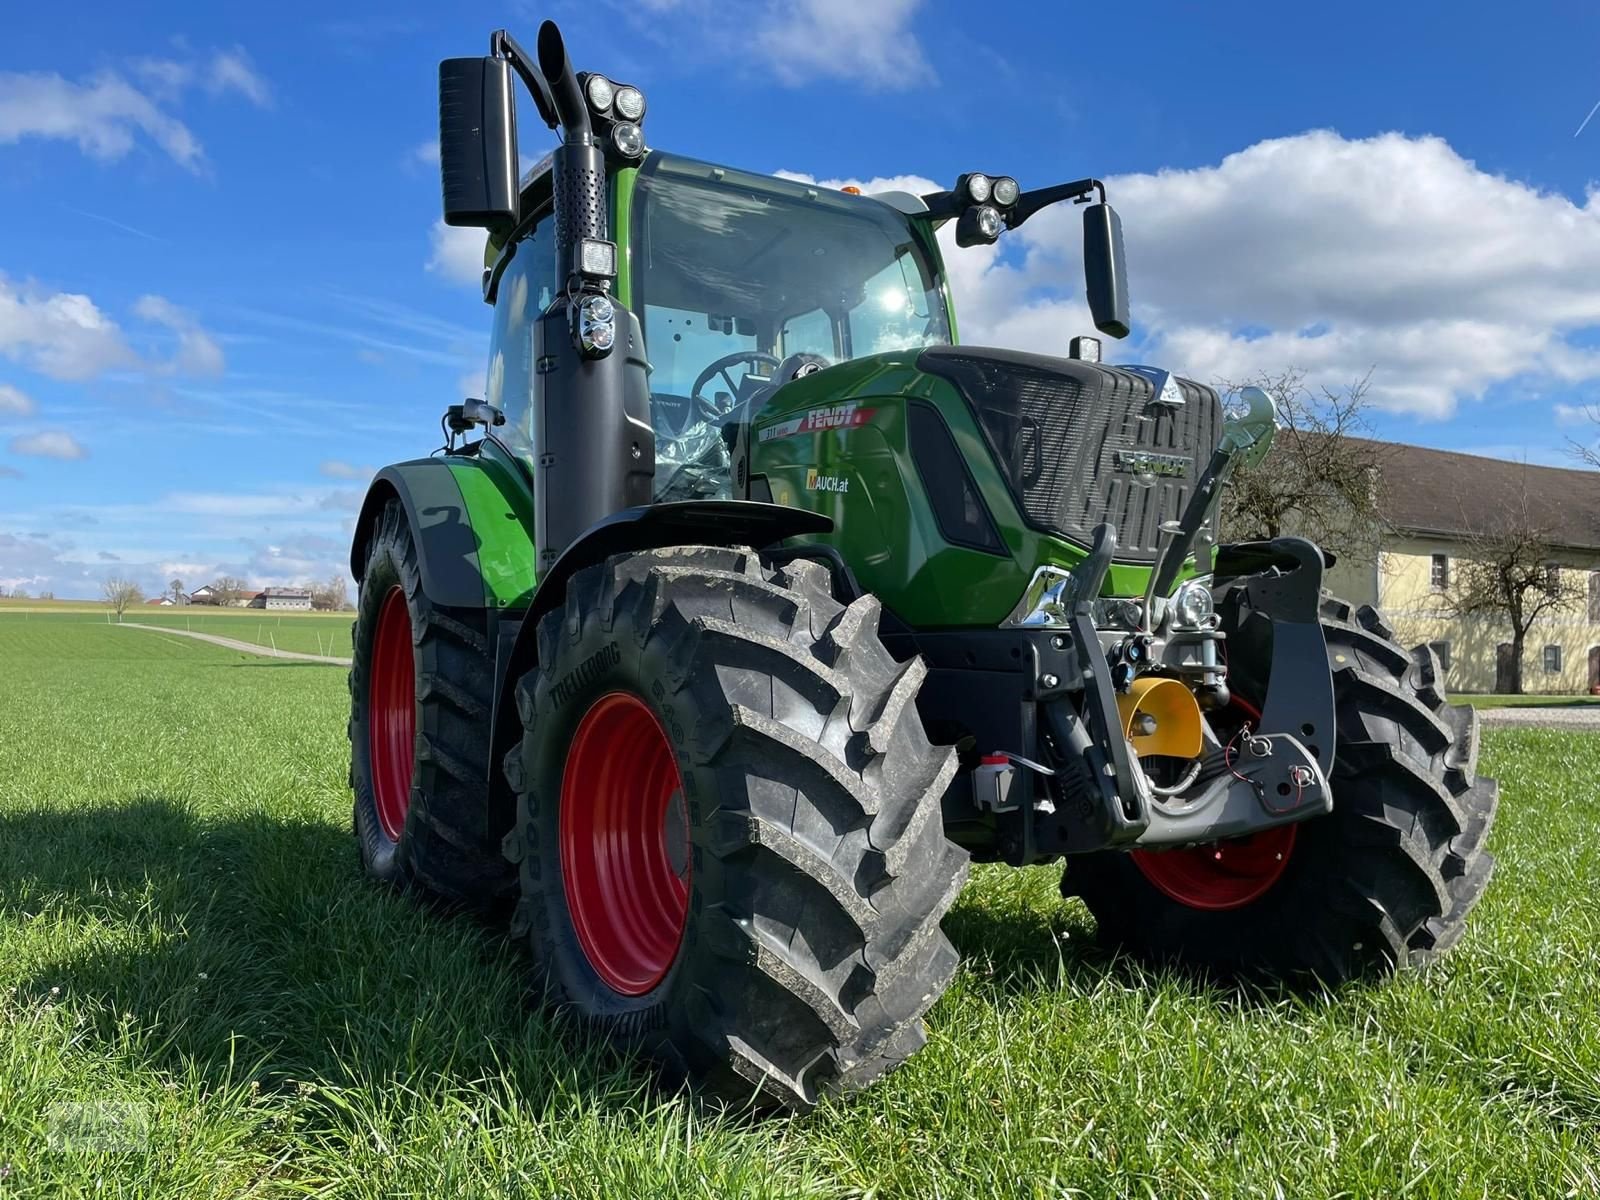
735	273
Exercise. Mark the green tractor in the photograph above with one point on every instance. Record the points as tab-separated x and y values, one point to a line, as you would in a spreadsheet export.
750	606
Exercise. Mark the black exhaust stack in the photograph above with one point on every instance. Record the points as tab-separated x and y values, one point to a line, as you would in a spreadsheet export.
592	437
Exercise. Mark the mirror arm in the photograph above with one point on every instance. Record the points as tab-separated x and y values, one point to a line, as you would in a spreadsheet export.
945	206
1031	202
503	45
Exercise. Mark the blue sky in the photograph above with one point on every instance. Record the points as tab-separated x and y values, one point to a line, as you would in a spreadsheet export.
224	295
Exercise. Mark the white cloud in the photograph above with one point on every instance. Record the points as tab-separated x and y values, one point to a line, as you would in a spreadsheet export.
425	154
232	71
333	468
868	43
61	334
49	443
1566	414
457	252
15	403
106	115
67	336
197	353
9	472
103	116
1343	255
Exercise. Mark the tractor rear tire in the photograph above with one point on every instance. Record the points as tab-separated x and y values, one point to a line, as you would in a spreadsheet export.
421	685
729	831
1384	881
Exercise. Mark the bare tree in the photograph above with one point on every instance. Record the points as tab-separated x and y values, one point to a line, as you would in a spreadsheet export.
228	589
332	594
175	590
1321	479
1587	453
1508	573
19	593
120	593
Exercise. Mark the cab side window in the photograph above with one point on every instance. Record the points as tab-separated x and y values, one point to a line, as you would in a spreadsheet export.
527	287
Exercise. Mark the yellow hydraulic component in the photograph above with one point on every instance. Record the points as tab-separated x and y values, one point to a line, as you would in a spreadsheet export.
1161	716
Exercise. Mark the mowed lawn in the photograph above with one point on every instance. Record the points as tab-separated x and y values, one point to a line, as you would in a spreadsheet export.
195	980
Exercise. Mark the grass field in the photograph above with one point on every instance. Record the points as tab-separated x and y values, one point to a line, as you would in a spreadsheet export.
192	972
1493	701
304	633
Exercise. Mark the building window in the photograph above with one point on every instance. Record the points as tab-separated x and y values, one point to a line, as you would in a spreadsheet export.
1552	576
1594	596
1552	660
1439	572
1441	651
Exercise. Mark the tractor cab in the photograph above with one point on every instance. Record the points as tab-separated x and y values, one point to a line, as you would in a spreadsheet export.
743	283
739	283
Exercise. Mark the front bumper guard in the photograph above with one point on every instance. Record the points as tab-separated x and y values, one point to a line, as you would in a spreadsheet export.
1269	775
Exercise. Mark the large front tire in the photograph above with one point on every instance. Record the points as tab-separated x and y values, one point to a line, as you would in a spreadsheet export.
421	683
728	826
1385	880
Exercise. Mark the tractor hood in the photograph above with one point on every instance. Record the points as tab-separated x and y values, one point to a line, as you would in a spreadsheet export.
1079	443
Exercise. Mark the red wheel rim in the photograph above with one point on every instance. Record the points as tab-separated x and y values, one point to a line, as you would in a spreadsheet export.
625	844
392	714
1221	875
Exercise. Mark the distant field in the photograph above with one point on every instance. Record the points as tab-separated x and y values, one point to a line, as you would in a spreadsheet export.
1488	701
304	633
193	971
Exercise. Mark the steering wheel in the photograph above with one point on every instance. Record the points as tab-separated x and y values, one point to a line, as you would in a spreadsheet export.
753	358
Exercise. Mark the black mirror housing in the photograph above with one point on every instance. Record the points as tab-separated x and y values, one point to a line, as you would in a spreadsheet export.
1105	270
478	142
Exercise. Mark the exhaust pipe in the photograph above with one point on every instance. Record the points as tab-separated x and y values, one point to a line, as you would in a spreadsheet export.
556	68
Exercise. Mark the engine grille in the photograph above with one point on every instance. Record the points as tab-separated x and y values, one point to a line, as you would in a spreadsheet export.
1076	441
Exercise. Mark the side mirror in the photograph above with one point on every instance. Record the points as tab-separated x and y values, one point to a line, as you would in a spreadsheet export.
478	142
1248	426
1105	272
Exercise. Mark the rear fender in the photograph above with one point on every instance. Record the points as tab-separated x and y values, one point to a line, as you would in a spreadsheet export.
472	523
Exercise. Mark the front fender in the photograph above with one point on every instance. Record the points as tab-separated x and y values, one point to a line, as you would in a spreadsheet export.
1281	580
646	527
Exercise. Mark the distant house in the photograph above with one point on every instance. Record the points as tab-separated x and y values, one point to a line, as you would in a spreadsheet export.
161	602
1434	501
207	594
283	599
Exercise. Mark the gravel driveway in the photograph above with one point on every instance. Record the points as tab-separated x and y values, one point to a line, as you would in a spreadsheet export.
1575	716
236	644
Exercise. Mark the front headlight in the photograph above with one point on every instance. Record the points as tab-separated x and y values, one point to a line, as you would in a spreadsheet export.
1192	605
600	93
596	324
630	103
978	187
989	222
628	139
1006	191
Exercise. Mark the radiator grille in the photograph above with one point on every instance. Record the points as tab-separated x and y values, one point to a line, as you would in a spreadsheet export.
1058	426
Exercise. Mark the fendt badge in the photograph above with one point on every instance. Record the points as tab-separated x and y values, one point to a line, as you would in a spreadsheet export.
1140	462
